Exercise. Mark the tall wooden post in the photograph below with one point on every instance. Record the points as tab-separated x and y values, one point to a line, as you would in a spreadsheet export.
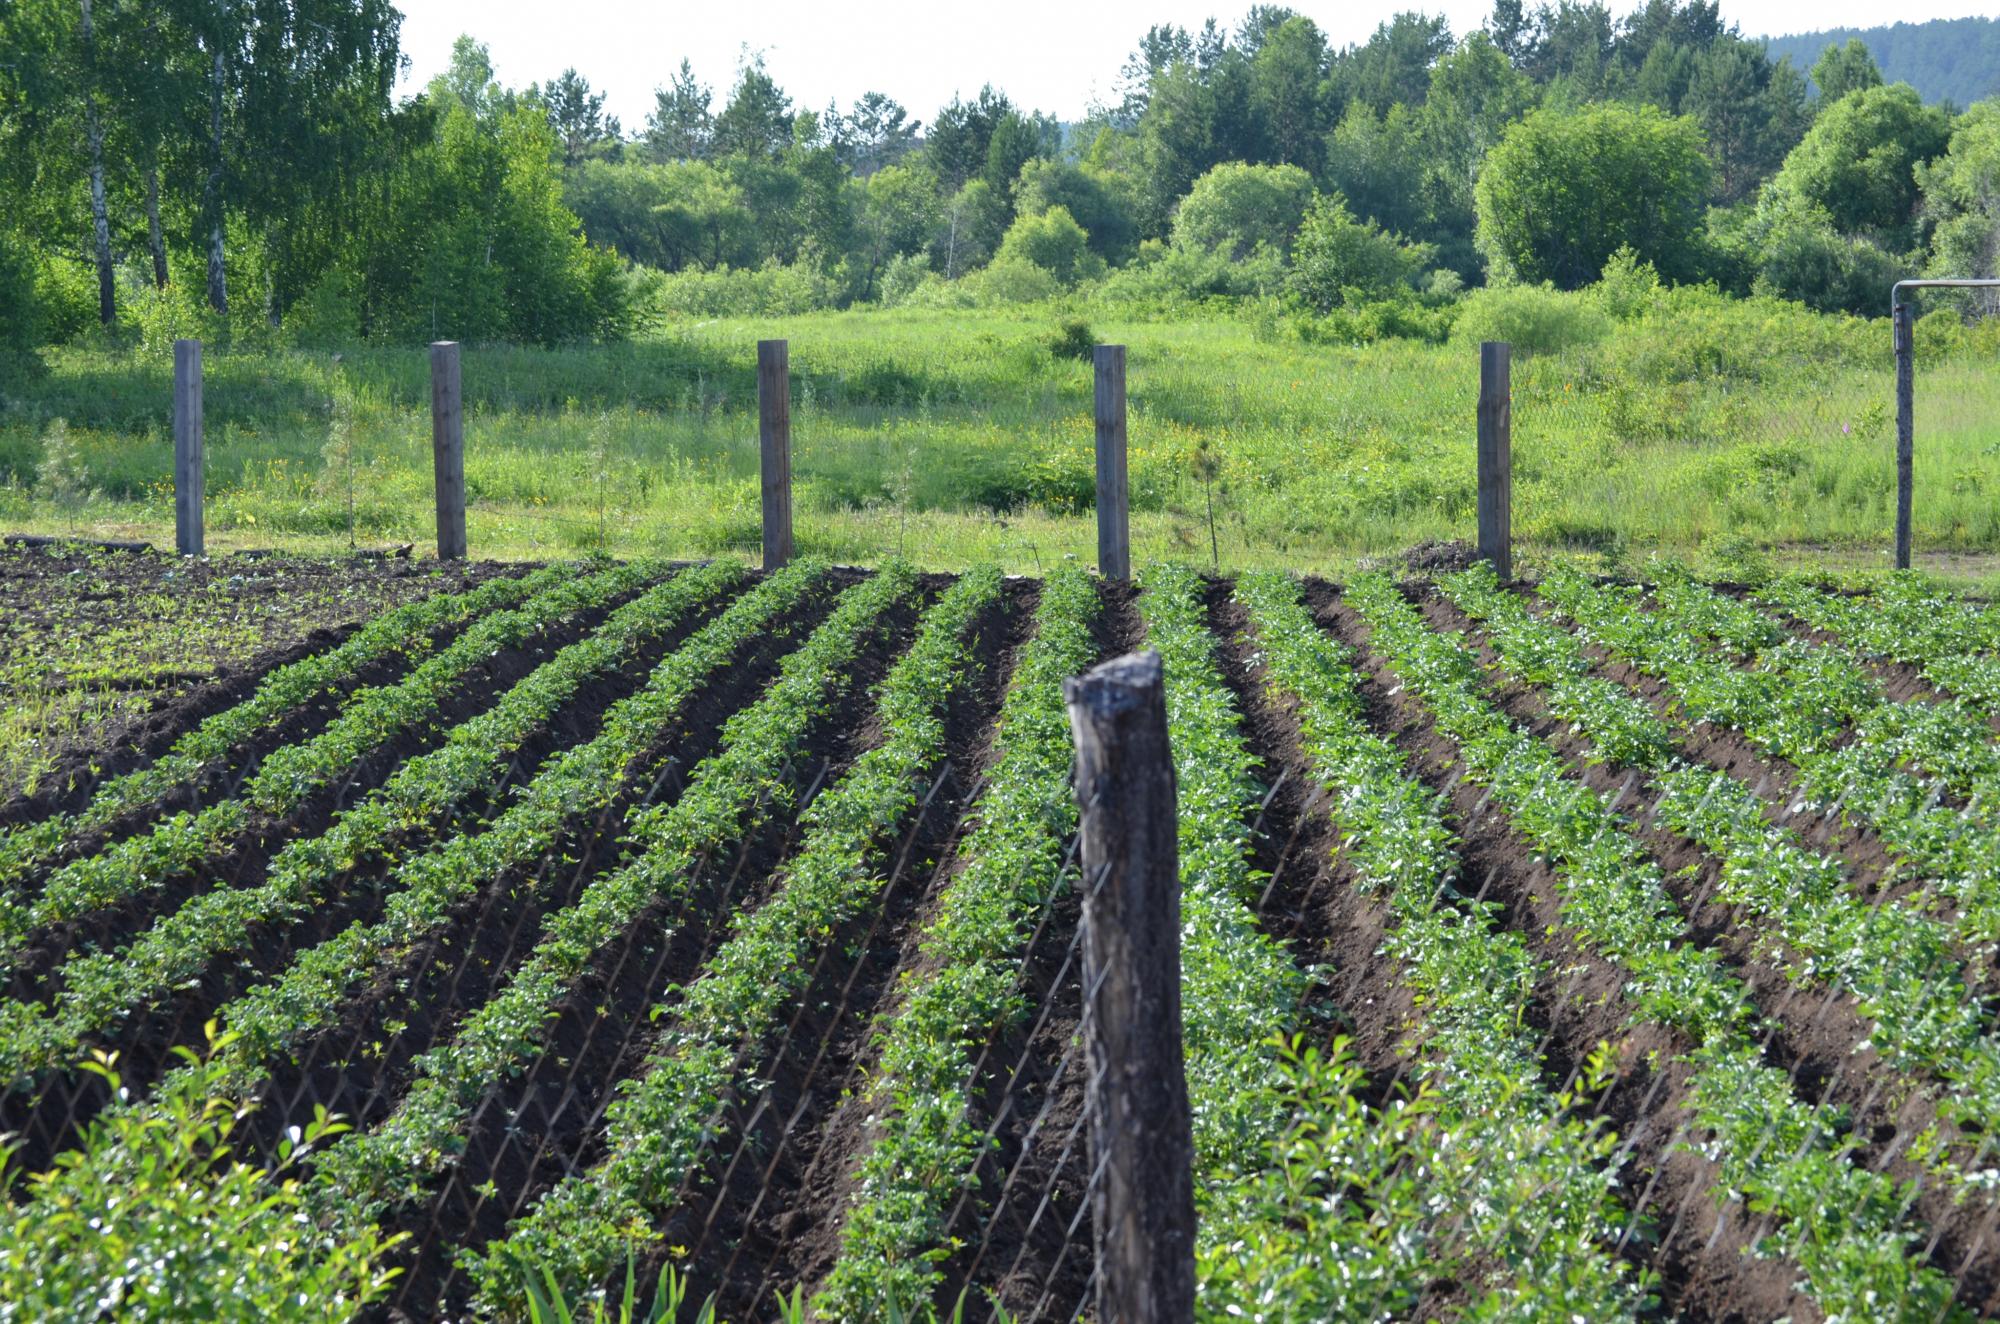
774	444
1904	318
1496	456
188	475
1141	1133
448	449
1114	533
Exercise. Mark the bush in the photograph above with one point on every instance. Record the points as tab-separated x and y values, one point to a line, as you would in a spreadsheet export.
1339	259
1171	278
901	276
22	317
1236	208
771	290
1804	259
1052	241
1628	286
1011	280
1072	339
166	1223
1382	319
1534	319
1565	190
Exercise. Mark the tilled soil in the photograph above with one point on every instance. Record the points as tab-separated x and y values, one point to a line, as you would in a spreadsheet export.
763	1212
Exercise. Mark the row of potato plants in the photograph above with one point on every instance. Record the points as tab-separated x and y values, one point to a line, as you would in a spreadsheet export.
280	1015
926	1139
1846	1226
728	795
1948	743
1536	1185
1801	704
1910	621
1896	964
1313	1204
407	631
97	988
659	1126
372	719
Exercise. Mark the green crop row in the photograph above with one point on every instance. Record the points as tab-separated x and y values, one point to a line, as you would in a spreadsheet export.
406	629
372	719
1846	1226
1796	704
1009	871
1305	1193
1909	621
660	1124
1539	1194
1896	964
1948	742
99	987
729	794
276	1017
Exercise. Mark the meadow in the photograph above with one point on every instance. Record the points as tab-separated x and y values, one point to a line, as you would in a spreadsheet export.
1730	433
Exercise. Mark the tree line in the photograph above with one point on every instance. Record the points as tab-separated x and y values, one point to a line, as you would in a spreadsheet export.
244	164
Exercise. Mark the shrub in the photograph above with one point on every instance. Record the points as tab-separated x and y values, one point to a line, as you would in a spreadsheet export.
1072	339
1052	241
188	1232
1340	259
1565	190
1803	258
771	290
1011	280
1167	278
1236	208
1628	286
1535	319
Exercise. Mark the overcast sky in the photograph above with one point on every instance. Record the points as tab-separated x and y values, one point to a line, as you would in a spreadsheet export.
1052	55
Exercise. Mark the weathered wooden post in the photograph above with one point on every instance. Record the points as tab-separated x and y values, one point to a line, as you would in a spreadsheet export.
448	449
1114	533
1903	315
774	443
188	475
1496	456
1141	1133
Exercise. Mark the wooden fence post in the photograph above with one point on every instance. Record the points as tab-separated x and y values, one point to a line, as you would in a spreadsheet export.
1496	456
448	449
1903	315
188	474
1114	533
1141	1133
774	443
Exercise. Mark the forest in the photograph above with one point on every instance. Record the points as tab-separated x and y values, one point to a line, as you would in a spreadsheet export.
241	170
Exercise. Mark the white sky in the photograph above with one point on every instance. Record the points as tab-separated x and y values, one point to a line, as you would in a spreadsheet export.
1052	55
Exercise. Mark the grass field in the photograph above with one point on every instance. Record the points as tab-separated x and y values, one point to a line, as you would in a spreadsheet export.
1723	431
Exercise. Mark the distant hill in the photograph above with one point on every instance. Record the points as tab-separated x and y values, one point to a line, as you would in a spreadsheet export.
1954	59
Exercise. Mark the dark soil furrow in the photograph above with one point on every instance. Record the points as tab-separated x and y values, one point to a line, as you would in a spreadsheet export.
1698	1246
1311	901
242	861
137	741
1019	1228
774	1223
146	1041
1819	1037
533	1130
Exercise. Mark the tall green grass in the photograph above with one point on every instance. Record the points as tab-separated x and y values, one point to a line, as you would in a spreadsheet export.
1698	425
